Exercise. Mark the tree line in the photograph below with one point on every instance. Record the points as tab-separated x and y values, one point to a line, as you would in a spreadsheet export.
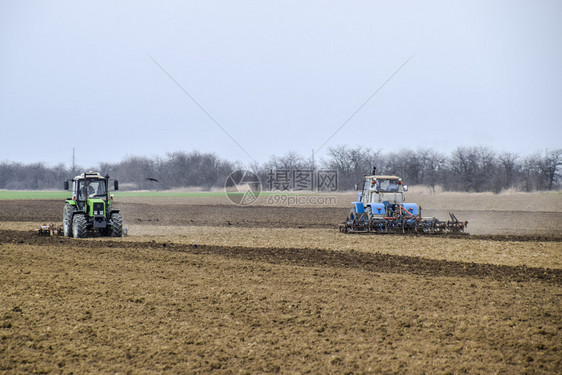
474	169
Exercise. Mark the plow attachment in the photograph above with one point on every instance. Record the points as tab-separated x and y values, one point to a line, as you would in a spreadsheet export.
401	224
50	230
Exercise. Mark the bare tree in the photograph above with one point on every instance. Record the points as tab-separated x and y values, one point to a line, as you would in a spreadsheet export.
472	169
509	168
432	166
182	169
530	173
290	161
466	169
550	167
351	164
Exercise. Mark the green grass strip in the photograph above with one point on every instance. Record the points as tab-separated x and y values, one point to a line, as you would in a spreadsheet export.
32	194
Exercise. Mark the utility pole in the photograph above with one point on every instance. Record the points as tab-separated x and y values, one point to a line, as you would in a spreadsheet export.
73	159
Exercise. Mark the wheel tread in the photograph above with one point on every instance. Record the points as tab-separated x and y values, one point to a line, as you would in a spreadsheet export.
78	226
116	225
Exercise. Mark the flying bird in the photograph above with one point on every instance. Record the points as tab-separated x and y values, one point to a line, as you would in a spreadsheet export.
152	179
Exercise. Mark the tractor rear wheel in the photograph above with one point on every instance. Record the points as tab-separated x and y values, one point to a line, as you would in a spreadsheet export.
116	225
67	220
78	226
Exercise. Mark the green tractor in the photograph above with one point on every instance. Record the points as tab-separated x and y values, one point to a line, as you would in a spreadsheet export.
90	208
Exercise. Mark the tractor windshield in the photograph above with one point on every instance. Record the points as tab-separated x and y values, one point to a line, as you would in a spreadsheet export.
92	188
390	186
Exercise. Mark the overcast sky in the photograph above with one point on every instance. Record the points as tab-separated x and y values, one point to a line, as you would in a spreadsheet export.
278	76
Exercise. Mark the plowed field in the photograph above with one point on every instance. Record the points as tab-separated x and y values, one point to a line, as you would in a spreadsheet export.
201	285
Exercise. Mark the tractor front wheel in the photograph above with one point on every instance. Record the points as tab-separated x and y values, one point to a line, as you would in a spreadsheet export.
351	216
116	225
78	226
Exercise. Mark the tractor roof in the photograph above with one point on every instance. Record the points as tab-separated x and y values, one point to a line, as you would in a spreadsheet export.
384	177
88	175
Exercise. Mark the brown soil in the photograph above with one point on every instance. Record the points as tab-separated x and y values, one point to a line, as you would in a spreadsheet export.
247	290
193	212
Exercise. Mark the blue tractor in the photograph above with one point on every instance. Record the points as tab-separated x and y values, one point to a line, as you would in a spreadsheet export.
381	208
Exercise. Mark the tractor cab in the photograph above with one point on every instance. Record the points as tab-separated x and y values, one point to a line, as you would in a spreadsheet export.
383	196
379	189
89	187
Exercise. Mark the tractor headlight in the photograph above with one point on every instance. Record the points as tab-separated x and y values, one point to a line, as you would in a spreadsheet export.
98	208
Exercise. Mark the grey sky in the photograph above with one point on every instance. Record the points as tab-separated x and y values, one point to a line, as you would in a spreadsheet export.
277	75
